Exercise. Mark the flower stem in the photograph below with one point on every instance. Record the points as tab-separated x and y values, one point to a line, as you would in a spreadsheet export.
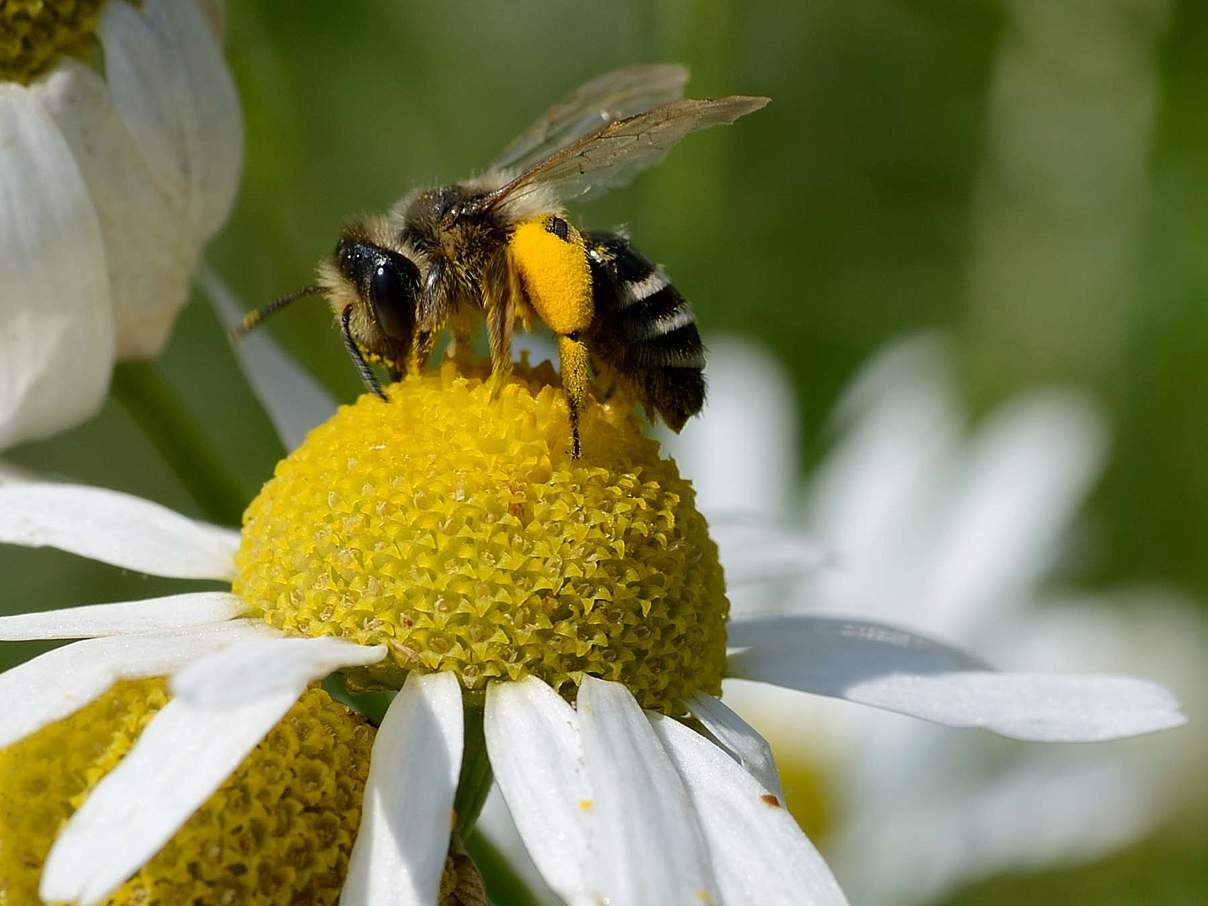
503	883
165	420
476	776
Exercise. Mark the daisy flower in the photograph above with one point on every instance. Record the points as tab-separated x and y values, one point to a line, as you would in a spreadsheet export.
278	829
958	532
559	624
125	170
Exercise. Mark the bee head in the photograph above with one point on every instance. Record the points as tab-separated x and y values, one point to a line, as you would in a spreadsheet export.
386	281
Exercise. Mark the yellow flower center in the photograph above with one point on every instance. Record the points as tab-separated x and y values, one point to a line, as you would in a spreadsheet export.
280	829
34	33
454	527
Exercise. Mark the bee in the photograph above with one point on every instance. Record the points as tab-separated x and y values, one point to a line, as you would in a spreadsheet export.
501	247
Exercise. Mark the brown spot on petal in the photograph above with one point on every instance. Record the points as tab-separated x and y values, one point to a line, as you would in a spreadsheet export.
771	800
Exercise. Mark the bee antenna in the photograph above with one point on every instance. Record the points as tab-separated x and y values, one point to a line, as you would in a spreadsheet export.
256	316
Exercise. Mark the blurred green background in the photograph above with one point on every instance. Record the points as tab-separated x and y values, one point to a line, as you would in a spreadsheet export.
1031	175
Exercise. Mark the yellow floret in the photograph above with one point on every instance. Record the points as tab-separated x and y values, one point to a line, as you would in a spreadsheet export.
279	830
555	274
455	528
34	33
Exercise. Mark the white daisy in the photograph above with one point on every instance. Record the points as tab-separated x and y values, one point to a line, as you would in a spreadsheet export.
125	173
452	530
956	536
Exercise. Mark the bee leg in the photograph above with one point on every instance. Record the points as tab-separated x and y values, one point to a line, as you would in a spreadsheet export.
461	326
459	349
500	312
574	366
421	351
358	359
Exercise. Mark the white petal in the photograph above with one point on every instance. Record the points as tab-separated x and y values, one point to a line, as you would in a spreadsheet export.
56	321
399	854
739	738
116	528
95	620
144	86
11	474
1028	474
294	400
878	498
532	737
181	759
498	828
212	120
650	845
1038	813
759	548
261	666
174	92
830	653
758	853
1035	706
59	682
149	245
887	668
741	452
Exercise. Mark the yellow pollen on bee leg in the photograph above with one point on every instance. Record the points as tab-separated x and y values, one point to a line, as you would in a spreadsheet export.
35	33
574	365
555	274
375	358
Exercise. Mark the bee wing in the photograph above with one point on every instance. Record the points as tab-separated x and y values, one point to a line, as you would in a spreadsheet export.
605	99
614	153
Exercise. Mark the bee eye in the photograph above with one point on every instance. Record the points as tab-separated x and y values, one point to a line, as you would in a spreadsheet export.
393	288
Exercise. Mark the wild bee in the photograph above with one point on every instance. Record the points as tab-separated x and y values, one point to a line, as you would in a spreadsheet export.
501	246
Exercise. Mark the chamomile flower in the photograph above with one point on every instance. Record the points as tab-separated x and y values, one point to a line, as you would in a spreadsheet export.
445	542
113	178
278	829
956	531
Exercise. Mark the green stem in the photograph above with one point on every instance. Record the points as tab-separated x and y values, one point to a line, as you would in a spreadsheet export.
503	884
476	777
372	705
163	417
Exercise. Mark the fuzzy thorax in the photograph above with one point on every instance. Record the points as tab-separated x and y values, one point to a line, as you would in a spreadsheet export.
455	528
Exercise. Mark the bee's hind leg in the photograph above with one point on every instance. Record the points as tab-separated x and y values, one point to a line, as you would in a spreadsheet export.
574	363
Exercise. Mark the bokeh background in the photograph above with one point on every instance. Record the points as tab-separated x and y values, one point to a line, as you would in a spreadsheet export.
1029	175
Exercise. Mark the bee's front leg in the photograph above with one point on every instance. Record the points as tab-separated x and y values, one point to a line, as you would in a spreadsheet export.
421	351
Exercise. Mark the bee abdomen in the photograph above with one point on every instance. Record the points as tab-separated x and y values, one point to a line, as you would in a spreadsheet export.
647	330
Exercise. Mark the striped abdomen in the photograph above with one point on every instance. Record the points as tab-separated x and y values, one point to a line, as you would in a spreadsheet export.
645	330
